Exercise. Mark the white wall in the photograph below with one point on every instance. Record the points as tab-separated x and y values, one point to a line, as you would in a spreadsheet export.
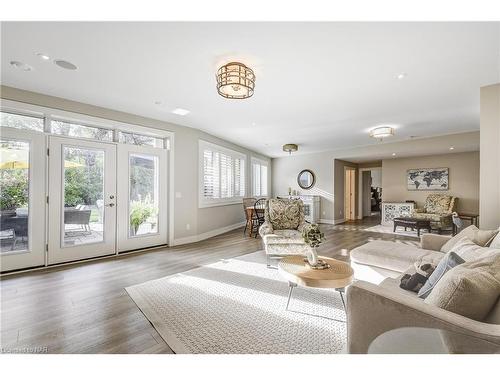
200	220
376	177
463	179
286	168
490	157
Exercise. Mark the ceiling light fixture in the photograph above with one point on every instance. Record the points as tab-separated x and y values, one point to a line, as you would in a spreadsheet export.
21	65
290	147
158	102
393	154
235	81
382	132
65	64
43	56
401	76
180	111
452	148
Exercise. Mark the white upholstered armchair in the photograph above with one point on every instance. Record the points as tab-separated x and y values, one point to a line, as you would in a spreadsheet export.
282	229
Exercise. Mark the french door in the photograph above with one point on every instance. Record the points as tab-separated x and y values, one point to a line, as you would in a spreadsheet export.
22	207
82	199
142	192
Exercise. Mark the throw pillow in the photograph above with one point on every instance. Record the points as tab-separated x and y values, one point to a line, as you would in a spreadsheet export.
469	251
479	237
495	242
449	261
415	281
470	289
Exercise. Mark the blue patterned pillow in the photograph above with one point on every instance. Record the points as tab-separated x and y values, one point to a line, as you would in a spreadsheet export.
449	261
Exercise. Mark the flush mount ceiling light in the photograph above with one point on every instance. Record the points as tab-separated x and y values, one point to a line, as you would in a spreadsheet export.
21	65
401	76
235	81
290	147
382	132
65	64
180	111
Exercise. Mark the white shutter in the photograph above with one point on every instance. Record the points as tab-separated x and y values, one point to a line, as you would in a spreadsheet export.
211	168
263	180
226	176
239	177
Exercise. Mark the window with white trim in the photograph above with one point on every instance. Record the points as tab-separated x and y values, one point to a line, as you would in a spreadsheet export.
259	177
222	175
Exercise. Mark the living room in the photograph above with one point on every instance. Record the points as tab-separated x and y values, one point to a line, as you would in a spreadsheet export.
212	186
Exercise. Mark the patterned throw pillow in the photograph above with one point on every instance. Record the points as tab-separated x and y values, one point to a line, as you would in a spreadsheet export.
449	261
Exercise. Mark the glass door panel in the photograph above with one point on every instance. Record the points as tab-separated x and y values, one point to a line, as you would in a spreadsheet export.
82	203
142	197
22	196
83	195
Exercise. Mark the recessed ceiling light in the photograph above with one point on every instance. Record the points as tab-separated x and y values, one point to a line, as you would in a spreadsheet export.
43	56
158	102
21	65
65	64
253	124
452	148
401	76
393	154
180	111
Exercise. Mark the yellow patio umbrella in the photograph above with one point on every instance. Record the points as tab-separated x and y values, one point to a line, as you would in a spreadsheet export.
15	164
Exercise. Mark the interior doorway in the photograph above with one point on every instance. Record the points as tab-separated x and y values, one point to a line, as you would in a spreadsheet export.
369	192
350	193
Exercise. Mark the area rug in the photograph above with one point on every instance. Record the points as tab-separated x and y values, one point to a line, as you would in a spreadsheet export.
238	306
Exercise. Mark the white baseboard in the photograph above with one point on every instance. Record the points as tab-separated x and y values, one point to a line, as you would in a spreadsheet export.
339	221
326	221
204	236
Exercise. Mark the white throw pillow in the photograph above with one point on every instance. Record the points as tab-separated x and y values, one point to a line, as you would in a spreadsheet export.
495	242
470	289
473	233
469	251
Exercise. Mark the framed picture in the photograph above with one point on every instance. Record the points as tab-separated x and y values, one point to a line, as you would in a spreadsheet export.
427	179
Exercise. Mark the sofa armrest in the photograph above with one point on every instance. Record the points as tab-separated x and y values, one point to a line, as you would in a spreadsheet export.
430	241
265	229
373	310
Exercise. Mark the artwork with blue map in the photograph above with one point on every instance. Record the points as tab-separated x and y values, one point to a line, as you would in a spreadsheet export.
428	179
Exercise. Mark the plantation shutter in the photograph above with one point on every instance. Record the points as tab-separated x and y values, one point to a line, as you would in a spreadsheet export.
263	180
211	189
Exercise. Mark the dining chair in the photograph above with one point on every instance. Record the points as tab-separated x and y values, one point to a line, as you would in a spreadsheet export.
259	208
250	217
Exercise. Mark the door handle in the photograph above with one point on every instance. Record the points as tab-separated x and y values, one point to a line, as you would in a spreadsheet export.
110	205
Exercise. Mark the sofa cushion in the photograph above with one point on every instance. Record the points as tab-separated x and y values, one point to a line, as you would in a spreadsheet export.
469	251
393	255
479	237
284	236
470	289
449	261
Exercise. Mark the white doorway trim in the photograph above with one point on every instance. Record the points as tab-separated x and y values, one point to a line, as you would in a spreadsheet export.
352	194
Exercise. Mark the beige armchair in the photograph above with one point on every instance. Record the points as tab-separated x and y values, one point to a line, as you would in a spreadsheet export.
438	208
282	228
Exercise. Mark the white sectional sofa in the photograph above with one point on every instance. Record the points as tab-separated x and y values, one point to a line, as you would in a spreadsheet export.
376	303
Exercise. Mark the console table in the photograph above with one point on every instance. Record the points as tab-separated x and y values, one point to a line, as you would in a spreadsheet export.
392	210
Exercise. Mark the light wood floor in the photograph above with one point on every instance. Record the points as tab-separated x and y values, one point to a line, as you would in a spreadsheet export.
84	308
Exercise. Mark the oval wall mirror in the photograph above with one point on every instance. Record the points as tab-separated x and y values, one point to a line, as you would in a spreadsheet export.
306	179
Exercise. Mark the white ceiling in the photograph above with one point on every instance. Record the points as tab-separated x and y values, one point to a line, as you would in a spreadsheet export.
321	85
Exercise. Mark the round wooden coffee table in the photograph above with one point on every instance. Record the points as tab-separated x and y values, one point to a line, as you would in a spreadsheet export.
297	272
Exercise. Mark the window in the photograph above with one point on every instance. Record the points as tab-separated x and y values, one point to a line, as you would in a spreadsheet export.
140	140
12	120
81	131
259	178
222	175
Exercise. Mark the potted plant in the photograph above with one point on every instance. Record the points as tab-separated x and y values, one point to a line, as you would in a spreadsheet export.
313	236
140	212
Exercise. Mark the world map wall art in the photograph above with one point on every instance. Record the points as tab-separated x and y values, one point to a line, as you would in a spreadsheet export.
428	179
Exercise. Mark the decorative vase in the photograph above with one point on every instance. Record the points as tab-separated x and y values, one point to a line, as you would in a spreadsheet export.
312	257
